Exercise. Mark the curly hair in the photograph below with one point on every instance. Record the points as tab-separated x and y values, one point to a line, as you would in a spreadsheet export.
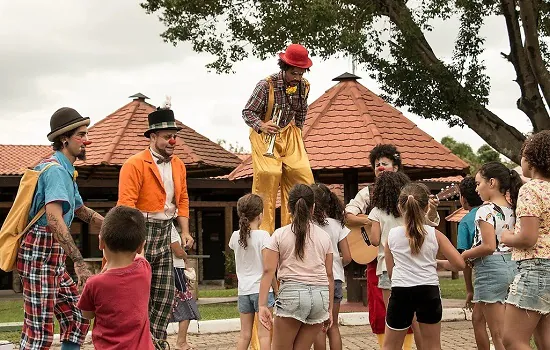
386	150
467	189
536	151
387	188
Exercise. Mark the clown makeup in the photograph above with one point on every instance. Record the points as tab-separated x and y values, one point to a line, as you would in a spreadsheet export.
76	144
163	142
383	164
293	75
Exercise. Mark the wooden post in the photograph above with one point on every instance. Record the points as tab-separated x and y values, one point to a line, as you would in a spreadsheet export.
454	237
228	227
353	270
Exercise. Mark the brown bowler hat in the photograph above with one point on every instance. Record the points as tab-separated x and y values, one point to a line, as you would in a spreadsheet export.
65	119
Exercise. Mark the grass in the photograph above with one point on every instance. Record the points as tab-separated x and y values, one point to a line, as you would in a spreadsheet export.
452	289
217	293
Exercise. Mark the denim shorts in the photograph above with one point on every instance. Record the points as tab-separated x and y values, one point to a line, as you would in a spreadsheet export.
493	276
303	302
248	304
338	292
384	281
530	289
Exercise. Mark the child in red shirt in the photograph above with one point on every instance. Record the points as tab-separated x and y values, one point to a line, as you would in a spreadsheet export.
118	297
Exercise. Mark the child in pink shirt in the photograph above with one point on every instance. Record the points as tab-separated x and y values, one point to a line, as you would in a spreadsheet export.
118	298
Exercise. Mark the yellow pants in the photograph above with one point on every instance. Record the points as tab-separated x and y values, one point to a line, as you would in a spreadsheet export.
290	167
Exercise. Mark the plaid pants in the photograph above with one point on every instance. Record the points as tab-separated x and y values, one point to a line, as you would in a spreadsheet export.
159	255
47	290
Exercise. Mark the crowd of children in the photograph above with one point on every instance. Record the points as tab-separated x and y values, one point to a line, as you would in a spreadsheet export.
503	248
297	273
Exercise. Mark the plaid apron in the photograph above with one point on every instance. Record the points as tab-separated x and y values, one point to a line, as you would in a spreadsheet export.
47	290
159	255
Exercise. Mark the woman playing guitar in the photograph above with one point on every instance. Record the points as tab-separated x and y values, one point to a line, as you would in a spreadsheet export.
382	158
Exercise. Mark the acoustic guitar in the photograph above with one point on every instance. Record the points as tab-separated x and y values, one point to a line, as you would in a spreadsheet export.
362	251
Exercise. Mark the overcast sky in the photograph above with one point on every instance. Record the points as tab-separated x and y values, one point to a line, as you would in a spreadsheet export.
92	55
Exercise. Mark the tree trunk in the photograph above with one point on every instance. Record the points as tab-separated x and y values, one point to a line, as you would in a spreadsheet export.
530	102
529	19
502	137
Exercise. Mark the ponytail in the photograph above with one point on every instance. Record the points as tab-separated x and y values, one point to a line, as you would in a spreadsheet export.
300	226
508	179
300	202
244	231
249	207
413	201
515	184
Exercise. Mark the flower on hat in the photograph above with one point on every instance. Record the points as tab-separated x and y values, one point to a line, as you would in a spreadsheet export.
291	90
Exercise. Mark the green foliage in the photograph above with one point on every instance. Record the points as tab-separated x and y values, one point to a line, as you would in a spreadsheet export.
229	262
231	30
464	151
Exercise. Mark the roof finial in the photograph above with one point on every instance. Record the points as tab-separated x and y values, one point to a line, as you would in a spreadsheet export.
139	97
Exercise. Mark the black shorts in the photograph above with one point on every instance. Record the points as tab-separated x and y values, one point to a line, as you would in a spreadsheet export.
404	302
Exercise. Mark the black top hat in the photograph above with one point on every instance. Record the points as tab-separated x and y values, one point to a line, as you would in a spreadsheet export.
65	119
161	119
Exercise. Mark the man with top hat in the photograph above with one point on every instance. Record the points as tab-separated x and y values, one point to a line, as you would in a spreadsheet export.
282	94
154	181
48	289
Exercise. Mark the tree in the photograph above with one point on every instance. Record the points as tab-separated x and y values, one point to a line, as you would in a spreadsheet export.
234	148
464	151
388	38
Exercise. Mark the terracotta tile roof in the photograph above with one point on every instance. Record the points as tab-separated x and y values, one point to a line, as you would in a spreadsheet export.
348	120
120	135
14	159
457	215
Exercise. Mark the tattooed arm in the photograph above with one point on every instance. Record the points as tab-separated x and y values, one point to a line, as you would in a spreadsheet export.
60	231
90	217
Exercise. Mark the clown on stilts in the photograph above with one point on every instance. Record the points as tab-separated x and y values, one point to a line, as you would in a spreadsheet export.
276	112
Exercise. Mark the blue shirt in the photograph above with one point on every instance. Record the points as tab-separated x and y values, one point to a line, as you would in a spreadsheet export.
56	185
466	230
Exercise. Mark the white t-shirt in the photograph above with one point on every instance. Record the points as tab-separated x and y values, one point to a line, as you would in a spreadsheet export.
176	237
336	233
413	270
248	261
387	222
501	218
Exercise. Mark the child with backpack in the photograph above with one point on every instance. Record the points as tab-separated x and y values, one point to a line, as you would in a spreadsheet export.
492	261
249	244
302	255
118	298
411	262
528	309
329	215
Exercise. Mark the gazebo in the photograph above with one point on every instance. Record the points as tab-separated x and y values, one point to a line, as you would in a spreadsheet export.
341	128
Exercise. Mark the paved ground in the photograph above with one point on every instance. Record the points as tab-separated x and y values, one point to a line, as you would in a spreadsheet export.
455	335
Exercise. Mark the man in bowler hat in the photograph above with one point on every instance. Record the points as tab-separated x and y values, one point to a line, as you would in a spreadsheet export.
154	181
47	287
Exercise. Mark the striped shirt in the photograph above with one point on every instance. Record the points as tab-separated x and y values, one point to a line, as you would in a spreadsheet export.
294	106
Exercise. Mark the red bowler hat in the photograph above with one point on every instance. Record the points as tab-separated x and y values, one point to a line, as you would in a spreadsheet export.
297	56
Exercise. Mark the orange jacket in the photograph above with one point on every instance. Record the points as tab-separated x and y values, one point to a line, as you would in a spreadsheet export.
140	185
